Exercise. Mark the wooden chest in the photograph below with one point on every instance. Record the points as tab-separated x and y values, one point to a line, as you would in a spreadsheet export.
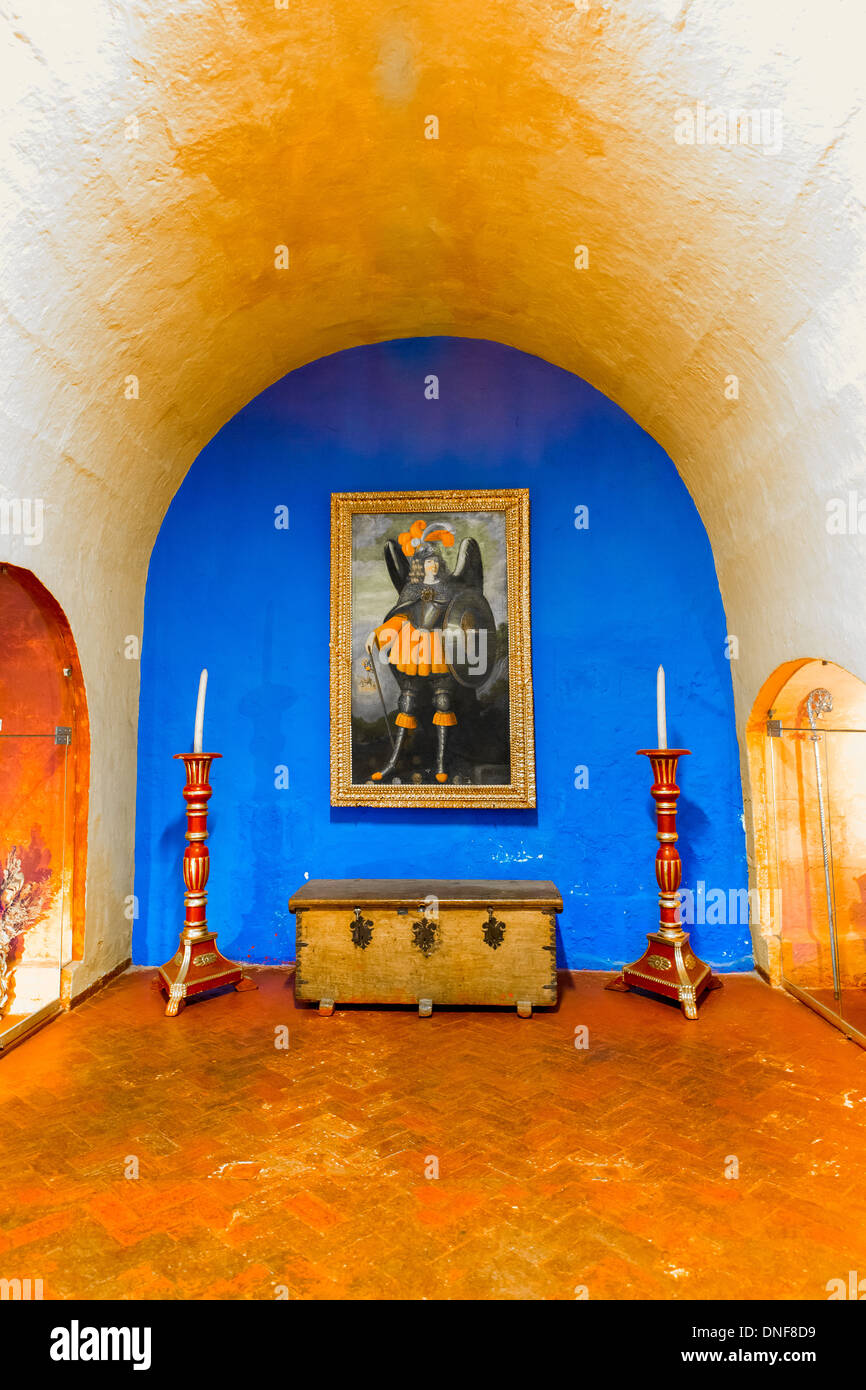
426	942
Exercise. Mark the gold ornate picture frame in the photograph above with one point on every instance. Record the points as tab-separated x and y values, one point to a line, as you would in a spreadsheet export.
431	671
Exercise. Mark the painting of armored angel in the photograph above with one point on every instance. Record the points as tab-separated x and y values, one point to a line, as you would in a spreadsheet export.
431	682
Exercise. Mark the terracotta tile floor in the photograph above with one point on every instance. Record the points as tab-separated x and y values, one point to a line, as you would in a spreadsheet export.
302	1171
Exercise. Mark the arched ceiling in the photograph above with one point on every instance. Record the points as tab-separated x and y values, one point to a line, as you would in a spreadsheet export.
255	125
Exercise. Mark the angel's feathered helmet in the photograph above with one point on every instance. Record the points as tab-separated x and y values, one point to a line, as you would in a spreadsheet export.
422	541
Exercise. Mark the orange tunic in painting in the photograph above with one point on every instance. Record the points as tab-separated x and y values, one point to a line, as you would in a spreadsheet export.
416	651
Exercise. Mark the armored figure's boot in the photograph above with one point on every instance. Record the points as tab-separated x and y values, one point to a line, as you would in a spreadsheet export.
441	740
392	762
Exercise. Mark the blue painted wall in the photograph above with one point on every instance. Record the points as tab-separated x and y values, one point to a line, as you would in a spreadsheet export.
606	609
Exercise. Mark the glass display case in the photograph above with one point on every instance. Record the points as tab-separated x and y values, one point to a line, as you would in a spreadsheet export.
35	868
44	778
819	803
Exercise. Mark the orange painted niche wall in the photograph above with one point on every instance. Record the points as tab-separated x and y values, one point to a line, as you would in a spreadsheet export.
793	907
43	801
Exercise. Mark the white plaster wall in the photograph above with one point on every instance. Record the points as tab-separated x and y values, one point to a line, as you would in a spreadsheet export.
260	125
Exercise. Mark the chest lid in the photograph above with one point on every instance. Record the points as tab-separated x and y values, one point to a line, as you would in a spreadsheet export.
411	892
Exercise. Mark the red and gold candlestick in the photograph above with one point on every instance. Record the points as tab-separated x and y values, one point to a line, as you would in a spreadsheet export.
668	967
198	966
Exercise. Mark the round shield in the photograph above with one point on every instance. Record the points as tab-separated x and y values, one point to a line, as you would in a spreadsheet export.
469	634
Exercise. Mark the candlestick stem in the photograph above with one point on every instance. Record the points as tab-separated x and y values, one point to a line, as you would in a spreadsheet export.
668	967
197	967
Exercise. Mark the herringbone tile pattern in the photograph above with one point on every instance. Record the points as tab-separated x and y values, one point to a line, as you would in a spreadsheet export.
308	1171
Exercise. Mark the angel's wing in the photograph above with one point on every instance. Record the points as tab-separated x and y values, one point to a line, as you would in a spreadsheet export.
470	568
398	565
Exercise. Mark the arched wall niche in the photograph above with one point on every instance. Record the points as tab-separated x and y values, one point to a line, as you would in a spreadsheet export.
787	868
44	796
605	613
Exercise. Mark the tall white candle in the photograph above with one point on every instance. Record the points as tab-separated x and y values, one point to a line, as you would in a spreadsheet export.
661	712
199	714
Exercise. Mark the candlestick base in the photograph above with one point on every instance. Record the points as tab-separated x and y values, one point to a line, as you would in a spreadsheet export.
669	968
197	968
